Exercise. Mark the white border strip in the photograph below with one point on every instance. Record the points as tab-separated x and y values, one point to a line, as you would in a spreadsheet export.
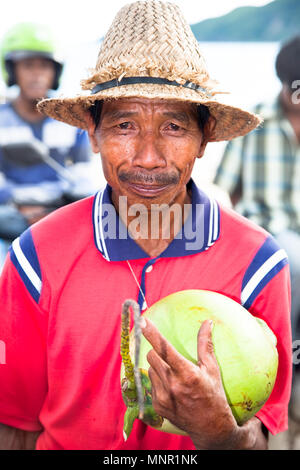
101	229
211	220
216	220
261	273
26	266
97	221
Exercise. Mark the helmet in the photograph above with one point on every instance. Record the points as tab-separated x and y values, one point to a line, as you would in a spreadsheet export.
28	40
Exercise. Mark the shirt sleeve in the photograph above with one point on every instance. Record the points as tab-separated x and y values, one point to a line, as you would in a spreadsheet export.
228	174
23	372
273	306
81	151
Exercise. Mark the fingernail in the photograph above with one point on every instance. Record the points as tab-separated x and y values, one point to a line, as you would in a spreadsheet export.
143	323
211	323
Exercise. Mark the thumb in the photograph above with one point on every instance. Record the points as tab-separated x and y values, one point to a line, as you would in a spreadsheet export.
205	347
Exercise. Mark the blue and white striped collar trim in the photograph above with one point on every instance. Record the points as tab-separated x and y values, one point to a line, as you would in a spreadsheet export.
200	231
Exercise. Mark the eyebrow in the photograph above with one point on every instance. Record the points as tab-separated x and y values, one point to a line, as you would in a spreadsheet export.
179	116
116	114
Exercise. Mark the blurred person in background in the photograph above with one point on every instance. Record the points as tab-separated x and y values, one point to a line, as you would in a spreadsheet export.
29	60
261	173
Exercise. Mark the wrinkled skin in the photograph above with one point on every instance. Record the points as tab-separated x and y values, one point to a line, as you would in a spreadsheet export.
148	149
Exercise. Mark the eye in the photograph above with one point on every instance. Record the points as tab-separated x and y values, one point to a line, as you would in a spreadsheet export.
125	125
173	126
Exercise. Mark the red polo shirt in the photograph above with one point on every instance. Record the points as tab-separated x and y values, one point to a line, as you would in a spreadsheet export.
61	294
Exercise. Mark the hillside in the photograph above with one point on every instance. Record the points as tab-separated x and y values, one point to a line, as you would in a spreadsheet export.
276	21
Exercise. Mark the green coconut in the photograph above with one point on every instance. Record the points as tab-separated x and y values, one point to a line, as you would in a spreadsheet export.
244	346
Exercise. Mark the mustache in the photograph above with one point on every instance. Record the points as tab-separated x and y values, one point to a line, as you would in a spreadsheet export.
143	177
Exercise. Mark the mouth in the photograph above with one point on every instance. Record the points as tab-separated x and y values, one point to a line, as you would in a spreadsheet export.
147	190
37	88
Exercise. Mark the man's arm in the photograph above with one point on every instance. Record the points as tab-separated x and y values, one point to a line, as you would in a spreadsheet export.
17	439
251	436
24	333
181	391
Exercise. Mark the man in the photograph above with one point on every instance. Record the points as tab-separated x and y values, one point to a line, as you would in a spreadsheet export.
66	278
29	60
261	173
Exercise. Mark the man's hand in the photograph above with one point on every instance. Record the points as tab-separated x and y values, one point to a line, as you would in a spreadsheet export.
17	439
192	396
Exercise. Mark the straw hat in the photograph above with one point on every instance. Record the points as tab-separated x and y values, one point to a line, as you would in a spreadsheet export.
150	52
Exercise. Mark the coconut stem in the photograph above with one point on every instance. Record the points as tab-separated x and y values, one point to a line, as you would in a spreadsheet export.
129	369
132	373
137	375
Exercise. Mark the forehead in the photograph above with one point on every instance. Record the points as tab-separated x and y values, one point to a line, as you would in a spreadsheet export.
148	105
33	59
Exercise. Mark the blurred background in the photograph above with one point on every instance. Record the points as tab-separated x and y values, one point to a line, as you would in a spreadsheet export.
239	40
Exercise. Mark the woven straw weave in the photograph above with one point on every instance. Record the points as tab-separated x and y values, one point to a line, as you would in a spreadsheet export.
152	39
159	44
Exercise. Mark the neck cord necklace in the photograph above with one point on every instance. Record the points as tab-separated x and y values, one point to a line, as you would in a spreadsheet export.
138	284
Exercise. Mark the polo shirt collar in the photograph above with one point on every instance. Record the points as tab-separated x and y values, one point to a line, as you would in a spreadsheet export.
199	232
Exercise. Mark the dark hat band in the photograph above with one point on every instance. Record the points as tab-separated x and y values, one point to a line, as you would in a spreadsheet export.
153	80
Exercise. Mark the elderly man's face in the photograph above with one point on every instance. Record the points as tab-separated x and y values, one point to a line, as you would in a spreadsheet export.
148	148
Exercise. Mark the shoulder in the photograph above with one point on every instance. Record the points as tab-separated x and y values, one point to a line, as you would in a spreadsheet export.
258	255
12	127
6	107
59	134
7	111
44	254
241	233
235	226
61	127
271	114
68	221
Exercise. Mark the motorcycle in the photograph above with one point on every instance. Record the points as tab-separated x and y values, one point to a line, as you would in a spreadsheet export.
30	203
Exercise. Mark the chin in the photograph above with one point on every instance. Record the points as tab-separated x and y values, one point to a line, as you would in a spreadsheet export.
37	96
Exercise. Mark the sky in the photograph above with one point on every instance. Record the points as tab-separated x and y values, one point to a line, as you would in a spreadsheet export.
80	21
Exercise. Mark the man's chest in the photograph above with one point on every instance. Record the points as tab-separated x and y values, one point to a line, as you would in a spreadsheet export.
89	304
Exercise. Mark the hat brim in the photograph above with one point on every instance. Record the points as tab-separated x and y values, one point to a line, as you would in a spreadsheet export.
231	121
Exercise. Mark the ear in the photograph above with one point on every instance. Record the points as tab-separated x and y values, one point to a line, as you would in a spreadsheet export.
208	130
91	132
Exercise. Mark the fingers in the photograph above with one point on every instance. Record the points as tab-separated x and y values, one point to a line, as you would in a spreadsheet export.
161	346
160	367
159	374
205	347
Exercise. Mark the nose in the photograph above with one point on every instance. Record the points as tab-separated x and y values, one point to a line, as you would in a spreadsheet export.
149	154
38	71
